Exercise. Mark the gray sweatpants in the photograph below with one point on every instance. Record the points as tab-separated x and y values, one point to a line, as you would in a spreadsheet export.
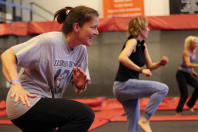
129	93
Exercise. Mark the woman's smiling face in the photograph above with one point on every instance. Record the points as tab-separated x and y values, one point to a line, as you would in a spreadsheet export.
88	31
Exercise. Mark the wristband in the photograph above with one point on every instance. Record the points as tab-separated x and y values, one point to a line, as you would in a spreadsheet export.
141	69
14	80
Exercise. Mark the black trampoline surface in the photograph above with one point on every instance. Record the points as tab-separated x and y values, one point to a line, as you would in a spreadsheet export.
183	126
160	126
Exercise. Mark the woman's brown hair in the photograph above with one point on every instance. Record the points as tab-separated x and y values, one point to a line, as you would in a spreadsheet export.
68	16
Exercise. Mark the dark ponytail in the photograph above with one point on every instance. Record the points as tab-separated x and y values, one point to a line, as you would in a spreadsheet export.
68	16
62	14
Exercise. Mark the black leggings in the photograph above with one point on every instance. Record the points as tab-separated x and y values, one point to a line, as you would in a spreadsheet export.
184	78
49	114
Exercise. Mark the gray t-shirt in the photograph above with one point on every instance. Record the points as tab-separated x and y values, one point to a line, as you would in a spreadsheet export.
47	63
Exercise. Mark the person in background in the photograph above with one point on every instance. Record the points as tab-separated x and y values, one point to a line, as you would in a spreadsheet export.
187	75
127	88
50	62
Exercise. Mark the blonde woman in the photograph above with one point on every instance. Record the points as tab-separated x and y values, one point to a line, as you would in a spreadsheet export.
127	87
187	75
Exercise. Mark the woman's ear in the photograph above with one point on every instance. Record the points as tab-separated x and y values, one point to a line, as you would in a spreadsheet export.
76	27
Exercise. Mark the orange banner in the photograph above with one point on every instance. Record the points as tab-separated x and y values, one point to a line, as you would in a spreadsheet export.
122	8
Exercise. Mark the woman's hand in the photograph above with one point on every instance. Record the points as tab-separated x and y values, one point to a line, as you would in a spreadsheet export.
79	91
195	74
80	80
163	60
20	94
146	72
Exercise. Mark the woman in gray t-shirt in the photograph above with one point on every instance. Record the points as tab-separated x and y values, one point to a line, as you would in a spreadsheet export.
49	62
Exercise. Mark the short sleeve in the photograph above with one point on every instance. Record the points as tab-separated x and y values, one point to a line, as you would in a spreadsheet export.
28	53
84	63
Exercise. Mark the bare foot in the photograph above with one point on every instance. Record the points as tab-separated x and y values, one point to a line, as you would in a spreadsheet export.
144	124
178	113
192	110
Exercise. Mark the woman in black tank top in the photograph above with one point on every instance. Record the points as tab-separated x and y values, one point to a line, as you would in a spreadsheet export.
127	86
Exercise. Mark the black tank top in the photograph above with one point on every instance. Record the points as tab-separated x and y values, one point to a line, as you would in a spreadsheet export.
138	57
